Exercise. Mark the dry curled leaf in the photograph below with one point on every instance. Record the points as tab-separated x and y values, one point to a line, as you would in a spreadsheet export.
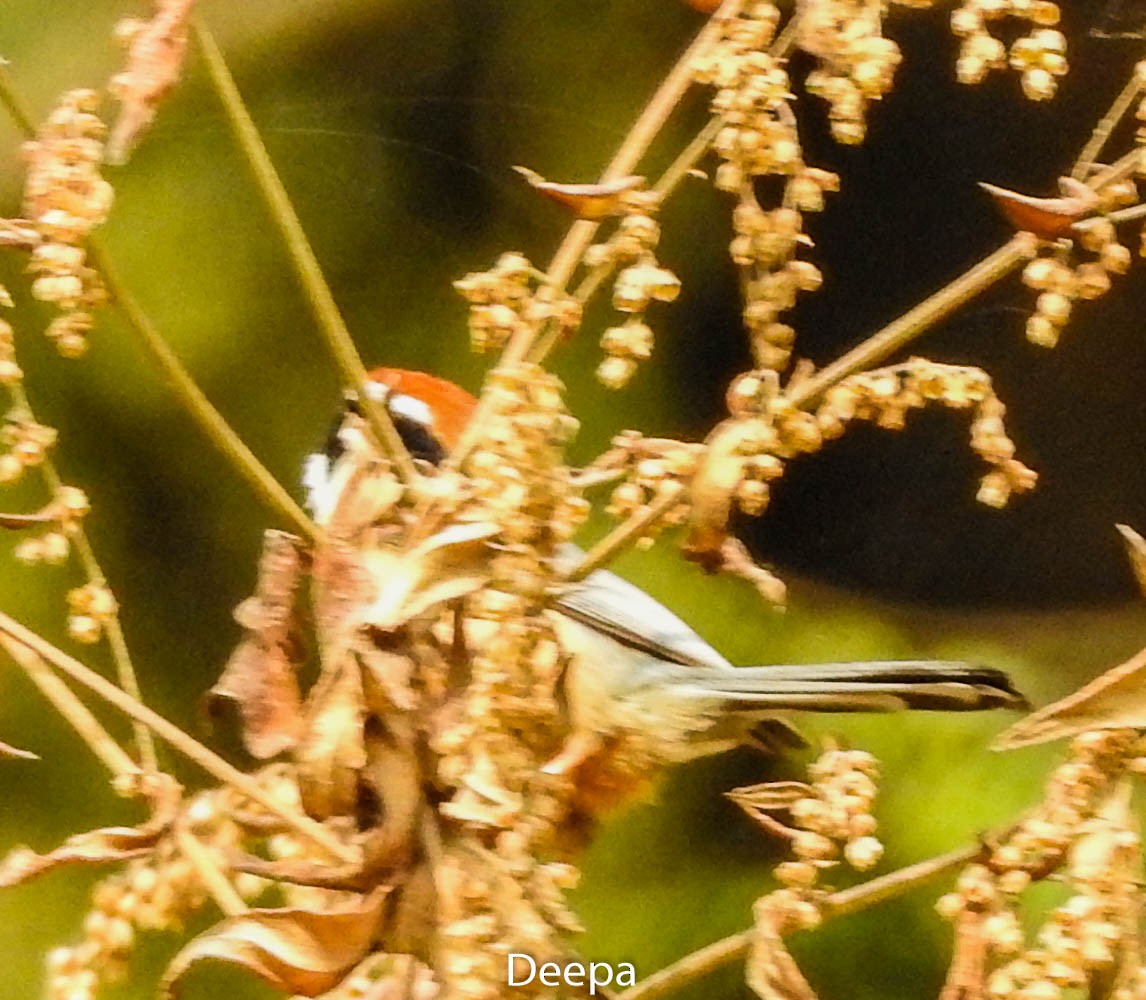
260	675
298	951
1047	218
448	565
967	973
331	752
586	201
108	844
713	489
1136	552
1113	700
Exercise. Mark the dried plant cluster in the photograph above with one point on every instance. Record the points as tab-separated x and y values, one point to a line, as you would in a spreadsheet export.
431	783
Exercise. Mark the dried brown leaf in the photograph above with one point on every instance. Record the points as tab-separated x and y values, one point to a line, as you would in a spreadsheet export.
712	491
1047	218
260	675
103	846
261	680
448	565
154	60
1136	552
298	951
967	973
1113	700
586	201
331	753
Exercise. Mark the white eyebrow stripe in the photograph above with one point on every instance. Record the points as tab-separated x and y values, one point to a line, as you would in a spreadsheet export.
412	409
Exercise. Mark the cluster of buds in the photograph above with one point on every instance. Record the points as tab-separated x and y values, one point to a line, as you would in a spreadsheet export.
155	51
91	608
63	515
830	816
752	100
651	466
837	810
10	371
512	300
1039	56
158	892
27	443
1084	828
518	472
66	198
495	895
1060	285
886	395
857	64
641	281
834	809
767	243
495	902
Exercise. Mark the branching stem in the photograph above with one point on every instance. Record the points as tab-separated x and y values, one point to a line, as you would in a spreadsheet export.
735	947
211	762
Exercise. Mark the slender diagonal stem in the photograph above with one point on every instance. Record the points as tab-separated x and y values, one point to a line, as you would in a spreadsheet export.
1098	138
580	234
620	536
225	895
191	748
916	321
177	377
306	267
735	947
117	642
64	701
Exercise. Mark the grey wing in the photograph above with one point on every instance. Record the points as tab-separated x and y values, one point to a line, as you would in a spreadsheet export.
624	612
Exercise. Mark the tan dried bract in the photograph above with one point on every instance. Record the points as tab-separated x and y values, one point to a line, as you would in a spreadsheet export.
260	675
586	201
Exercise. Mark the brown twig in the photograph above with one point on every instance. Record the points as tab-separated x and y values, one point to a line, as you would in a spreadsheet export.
306	267
211	762
735	947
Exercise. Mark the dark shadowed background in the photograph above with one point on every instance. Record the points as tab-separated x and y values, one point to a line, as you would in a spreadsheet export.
395	125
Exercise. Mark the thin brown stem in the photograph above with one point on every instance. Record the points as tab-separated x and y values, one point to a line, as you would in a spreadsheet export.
916	321
74	711
1098	138
177	377
225	895
620	536
191	748
117	642
735	947
301	254
580	234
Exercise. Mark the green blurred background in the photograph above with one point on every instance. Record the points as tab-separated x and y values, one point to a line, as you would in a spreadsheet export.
395	125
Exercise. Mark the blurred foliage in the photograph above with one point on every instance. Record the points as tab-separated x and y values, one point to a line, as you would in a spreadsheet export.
395	124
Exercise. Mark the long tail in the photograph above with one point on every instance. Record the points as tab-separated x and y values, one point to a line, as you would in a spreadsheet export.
927	685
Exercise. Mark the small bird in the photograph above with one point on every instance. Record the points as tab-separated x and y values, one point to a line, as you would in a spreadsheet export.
641	688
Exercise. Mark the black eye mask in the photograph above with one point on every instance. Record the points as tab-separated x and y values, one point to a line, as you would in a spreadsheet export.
419	440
